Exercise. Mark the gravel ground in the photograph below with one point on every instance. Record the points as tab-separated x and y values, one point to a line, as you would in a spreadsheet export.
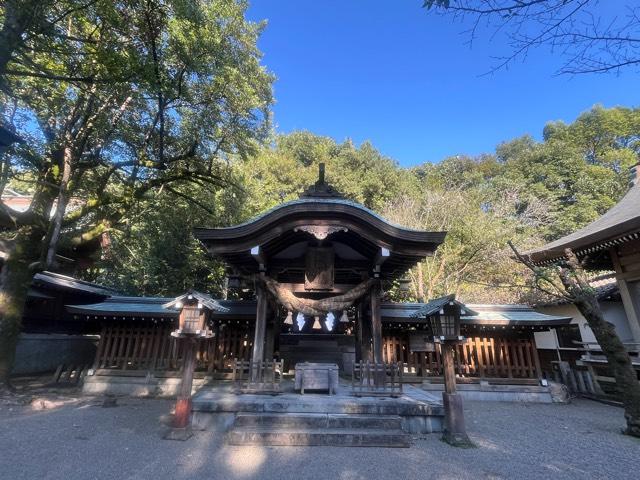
82	440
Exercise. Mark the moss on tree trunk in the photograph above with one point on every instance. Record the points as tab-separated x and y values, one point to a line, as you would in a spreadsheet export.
17	273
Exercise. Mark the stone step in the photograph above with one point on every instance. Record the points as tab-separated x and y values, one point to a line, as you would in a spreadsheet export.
318	420
336	437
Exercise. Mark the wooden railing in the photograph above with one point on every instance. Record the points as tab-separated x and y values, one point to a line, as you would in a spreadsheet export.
151	348
371	378
257	377
483	357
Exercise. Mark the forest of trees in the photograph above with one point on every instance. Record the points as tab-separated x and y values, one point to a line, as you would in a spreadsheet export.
527	191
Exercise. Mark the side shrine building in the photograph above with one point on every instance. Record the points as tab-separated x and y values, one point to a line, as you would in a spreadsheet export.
308	279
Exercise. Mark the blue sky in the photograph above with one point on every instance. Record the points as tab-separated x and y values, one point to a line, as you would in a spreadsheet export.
388	72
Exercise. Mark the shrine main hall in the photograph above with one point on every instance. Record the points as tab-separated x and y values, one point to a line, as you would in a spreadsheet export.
308	308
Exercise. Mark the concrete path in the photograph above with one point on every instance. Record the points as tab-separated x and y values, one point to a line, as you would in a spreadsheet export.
83	440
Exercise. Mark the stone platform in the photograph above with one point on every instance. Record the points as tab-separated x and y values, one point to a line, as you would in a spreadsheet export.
289	418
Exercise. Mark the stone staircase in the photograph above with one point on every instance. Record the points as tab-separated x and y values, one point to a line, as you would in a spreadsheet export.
305	429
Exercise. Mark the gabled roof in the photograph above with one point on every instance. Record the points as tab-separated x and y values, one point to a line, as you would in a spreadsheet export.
203	298
433	306
618	225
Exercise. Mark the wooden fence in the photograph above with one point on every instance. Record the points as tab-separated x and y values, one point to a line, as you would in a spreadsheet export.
483	357
150	347
371	378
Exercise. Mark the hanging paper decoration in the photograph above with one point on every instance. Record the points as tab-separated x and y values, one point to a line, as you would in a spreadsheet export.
300	321
344	318
330	321
289	319
316	323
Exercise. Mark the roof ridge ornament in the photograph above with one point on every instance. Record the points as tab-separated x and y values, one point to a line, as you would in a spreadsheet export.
321	189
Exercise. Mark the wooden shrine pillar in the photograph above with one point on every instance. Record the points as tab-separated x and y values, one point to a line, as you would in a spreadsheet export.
260	330
363	332
376	324
269	345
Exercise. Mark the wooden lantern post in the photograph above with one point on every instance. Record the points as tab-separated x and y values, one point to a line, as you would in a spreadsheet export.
445	325
192	327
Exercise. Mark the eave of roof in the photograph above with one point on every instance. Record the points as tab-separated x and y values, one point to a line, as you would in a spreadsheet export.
306	207
57	281
154	307
149	307
620	224
517	315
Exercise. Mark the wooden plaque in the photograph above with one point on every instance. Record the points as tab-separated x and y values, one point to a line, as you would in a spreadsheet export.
421	342
319	268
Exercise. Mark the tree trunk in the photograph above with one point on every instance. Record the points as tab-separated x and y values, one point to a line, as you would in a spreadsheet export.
53	236
16	279
618	359
577	284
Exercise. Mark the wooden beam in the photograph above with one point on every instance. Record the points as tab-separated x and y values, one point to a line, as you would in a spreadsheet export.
381	256
258	255
299	264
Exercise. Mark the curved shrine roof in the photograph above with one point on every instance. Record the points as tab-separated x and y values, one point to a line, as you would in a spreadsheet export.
321	212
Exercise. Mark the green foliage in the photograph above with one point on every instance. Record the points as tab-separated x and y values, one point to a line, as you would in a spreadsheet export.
156	254
528	192
282	172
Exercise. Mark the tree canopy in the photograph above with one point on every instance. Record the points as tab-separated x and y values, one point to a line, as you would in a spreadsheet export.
528	191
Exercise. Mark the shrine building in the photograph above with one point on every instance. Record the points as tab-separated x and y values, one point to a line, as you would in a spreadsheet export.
307	282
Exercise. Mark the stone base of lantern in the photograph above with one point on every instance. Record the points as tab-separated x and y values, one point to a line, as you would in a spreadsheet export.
181	434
